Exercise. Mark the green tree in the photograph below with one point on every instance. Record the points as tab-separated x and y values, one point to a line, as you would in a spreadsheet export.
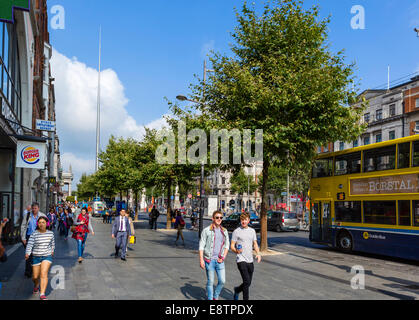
284	79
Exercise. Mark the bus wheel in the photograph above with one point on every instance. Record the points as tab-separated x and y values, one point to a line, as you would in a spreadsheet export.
344	241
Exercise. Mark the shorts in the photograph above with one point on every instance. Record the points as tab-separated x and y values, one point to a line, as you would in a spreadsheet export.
36	261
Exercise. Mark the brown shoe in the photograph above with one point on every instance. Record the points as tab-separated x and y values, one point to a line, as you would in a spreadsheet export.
80	259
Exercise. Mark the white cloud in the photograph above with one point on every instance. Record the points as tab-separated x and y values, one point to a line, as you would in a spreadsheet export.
76	104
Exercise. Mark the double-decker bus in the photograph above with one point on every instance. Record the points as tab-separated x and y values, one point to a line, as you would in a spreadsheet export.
367	199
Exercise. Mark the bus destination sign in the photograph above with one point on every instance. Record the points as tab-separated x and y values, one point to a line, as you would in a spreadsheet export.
406	183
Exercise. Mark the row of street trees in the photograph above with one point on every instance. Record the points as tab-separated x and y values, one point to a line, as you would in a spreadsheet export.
281	77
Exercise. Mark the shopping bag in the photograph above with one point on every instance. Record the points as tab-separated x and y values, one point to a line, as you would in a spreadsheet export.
132	239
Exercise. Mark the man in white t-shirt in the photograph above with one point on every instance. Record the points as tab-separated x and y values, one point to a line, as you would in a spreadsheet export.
242	243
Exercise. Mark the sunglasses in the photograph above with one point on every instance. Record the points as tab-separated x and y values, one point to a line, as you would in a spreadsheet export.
218	218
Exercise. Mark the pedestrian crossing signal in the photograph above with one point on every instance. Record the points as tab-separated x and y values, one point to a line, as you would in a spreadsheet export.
341	196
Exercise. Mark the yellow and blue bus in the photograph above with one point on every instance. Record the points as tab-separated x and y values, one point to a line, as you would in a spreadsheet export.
367	199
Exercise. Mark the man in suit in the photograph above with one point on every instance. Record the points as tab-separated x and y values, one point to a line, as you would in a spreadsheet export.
121	231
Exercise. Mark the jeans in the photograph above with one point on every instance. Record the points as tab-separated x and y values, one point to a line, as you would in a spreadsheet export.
221	275
80	245
246	271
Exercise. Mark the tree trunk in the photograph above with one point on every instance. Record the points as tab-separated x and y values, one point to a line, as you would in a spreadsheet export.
263	213
136	206
169	208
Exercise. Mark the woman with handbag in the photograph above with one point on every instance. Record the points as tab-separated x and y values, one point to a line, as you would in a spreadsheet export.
80	229
179	225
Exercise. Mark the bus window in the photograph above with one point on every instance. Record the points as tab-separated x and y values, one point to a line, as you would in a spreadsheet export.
380	212
403	158
348	211
416	213
415	162
380	159
348	163
404	213
322	168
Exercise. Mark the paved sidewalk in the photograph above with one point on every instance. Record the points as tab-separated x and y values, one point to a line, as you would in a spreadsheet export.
158	270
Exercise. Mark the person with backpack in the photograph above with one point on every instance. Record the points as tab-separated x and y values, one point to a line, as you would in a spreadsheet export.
179	225
28	227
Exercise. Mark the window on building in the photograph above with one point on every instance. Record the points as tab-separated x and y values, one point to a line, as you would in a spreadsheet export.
367	117
223	192
380	212
378	138
392	135
319	149
392	110
417	127
404	155
223	180
415	206
326	148
379	114
341	146
415	150
417	103
380	159
348	211
404	213
10	85
366	141
348	164
355	143
322	168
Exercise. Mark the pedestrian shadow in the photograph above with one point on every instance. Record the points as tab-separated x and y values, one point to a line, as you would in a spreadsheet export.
198	293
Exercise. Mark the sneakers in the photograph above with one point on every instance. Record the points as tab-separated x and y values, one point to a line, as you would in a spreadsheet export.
80	260
43	297
35	290
236	294
123	259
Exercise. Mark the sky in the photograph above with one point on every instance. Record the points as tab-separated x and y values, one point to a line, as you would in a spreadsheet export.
152	50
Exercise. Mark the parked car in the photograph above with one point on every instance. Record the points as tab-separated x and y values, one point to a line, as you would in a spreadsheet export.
283	220
232	222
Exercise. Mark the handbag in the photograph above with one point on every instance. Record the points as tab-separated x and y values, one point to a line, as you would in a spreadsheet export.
132	239
73	229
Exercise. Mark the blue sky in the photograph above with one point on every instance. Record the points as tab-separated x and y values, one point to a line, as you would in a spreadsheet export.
155	47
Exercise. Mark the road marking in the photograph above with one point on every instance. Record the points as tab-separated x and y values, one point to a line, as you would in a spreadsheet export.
12	249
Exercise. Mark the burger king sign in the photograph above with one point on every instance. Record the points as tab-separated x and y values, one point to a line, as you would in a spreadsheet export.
30	155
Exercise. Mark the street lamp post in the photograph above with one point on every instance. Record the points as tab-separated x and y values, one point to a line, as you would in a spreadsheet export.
201	198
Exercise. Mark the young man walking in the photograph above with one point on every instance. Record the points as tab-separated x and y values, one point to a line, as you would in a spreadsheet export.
243	241
120	231
28	227
213	249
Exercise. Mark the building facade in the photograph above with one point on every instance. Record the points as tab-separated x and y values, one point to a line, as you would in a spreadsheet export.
26	94
391	114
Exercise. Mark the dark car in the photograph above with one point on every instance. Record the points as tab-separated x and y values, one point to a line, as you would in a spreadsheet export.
232	222
283	220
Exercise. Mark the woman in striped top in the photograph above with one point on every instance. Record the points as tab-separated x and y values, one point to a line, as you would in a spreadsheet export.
42	245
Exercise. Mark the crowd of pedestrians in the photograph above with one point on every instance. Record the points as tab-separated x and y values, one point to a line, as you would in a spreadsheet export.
38	237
